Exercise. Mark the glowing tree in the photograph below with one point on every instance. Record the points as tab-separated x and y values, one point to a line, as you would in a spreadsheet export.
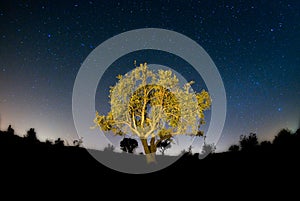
153	107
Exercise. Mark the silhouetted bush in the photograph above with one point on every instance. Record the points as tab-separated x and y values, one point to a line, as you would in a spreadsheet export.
164	145
248	143
297	133
109	148
10	130
15	151
48	142
266	146
31	136
128	145
297	136
78	142
208	149
283	138
286	141
234	148
59	142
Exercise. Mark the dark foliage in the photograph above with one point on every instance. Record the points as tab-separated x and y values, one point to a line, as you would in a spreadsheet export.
78	142
31	136
164	145
40	160
10	130
248	143
128	145
59	142
109	148
208	149
284	142
234	148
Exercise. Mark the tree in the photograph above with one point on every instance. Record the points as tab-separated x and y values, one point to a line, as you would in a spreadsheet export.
78	142
297	133
153	107
208	148
128	145
164	145
248	143
234	148
189	151
109	148
266	146
10	130
283	138
286	141
31	135
48	142
59	142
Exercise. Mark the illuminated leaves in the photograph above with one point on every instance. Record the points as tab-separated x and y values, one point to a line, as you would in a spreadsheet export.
145	103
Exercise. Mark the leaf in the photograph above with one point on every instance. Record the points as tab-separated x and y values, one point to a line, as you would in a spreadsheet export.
119	77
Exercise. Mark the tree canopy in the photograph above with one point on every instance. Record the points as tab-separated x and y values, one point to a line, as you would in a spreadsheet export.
152	105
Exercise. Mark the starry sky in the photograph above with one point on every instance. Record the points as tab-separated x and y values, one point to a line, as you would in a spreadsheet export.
254	44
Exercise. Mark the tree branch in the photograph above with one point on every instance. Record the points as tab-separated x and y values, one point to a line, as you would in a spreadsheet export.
133	120
166	137
144	106
126	123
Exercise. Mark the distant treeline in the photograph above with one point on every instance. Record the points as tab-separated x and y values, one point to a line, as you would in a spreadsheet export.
284	141
30	155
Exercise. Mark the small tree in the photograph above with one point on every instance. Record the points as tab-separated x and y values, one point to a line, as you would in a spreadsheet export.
48	142
78	142
189	151
286	141
248	143
153	107
128	145
283	138
234	148
266	146
109	148
31	135
208	148
164	145
59	143
10	130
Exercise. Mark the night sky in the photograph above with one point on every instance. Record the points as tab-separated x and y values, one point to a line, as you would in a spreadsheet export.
255	46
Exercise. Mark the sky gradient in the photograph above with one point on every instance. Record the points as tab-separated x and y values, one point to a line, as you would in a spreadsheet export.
254	44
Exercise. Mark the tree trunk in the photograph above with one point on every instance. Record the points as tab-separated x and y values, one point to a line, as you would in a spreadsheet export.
149	151
151	158
152	145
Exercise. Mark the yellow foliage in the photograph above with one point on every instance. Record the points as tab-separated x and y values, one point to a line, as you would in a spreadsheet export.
150	104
